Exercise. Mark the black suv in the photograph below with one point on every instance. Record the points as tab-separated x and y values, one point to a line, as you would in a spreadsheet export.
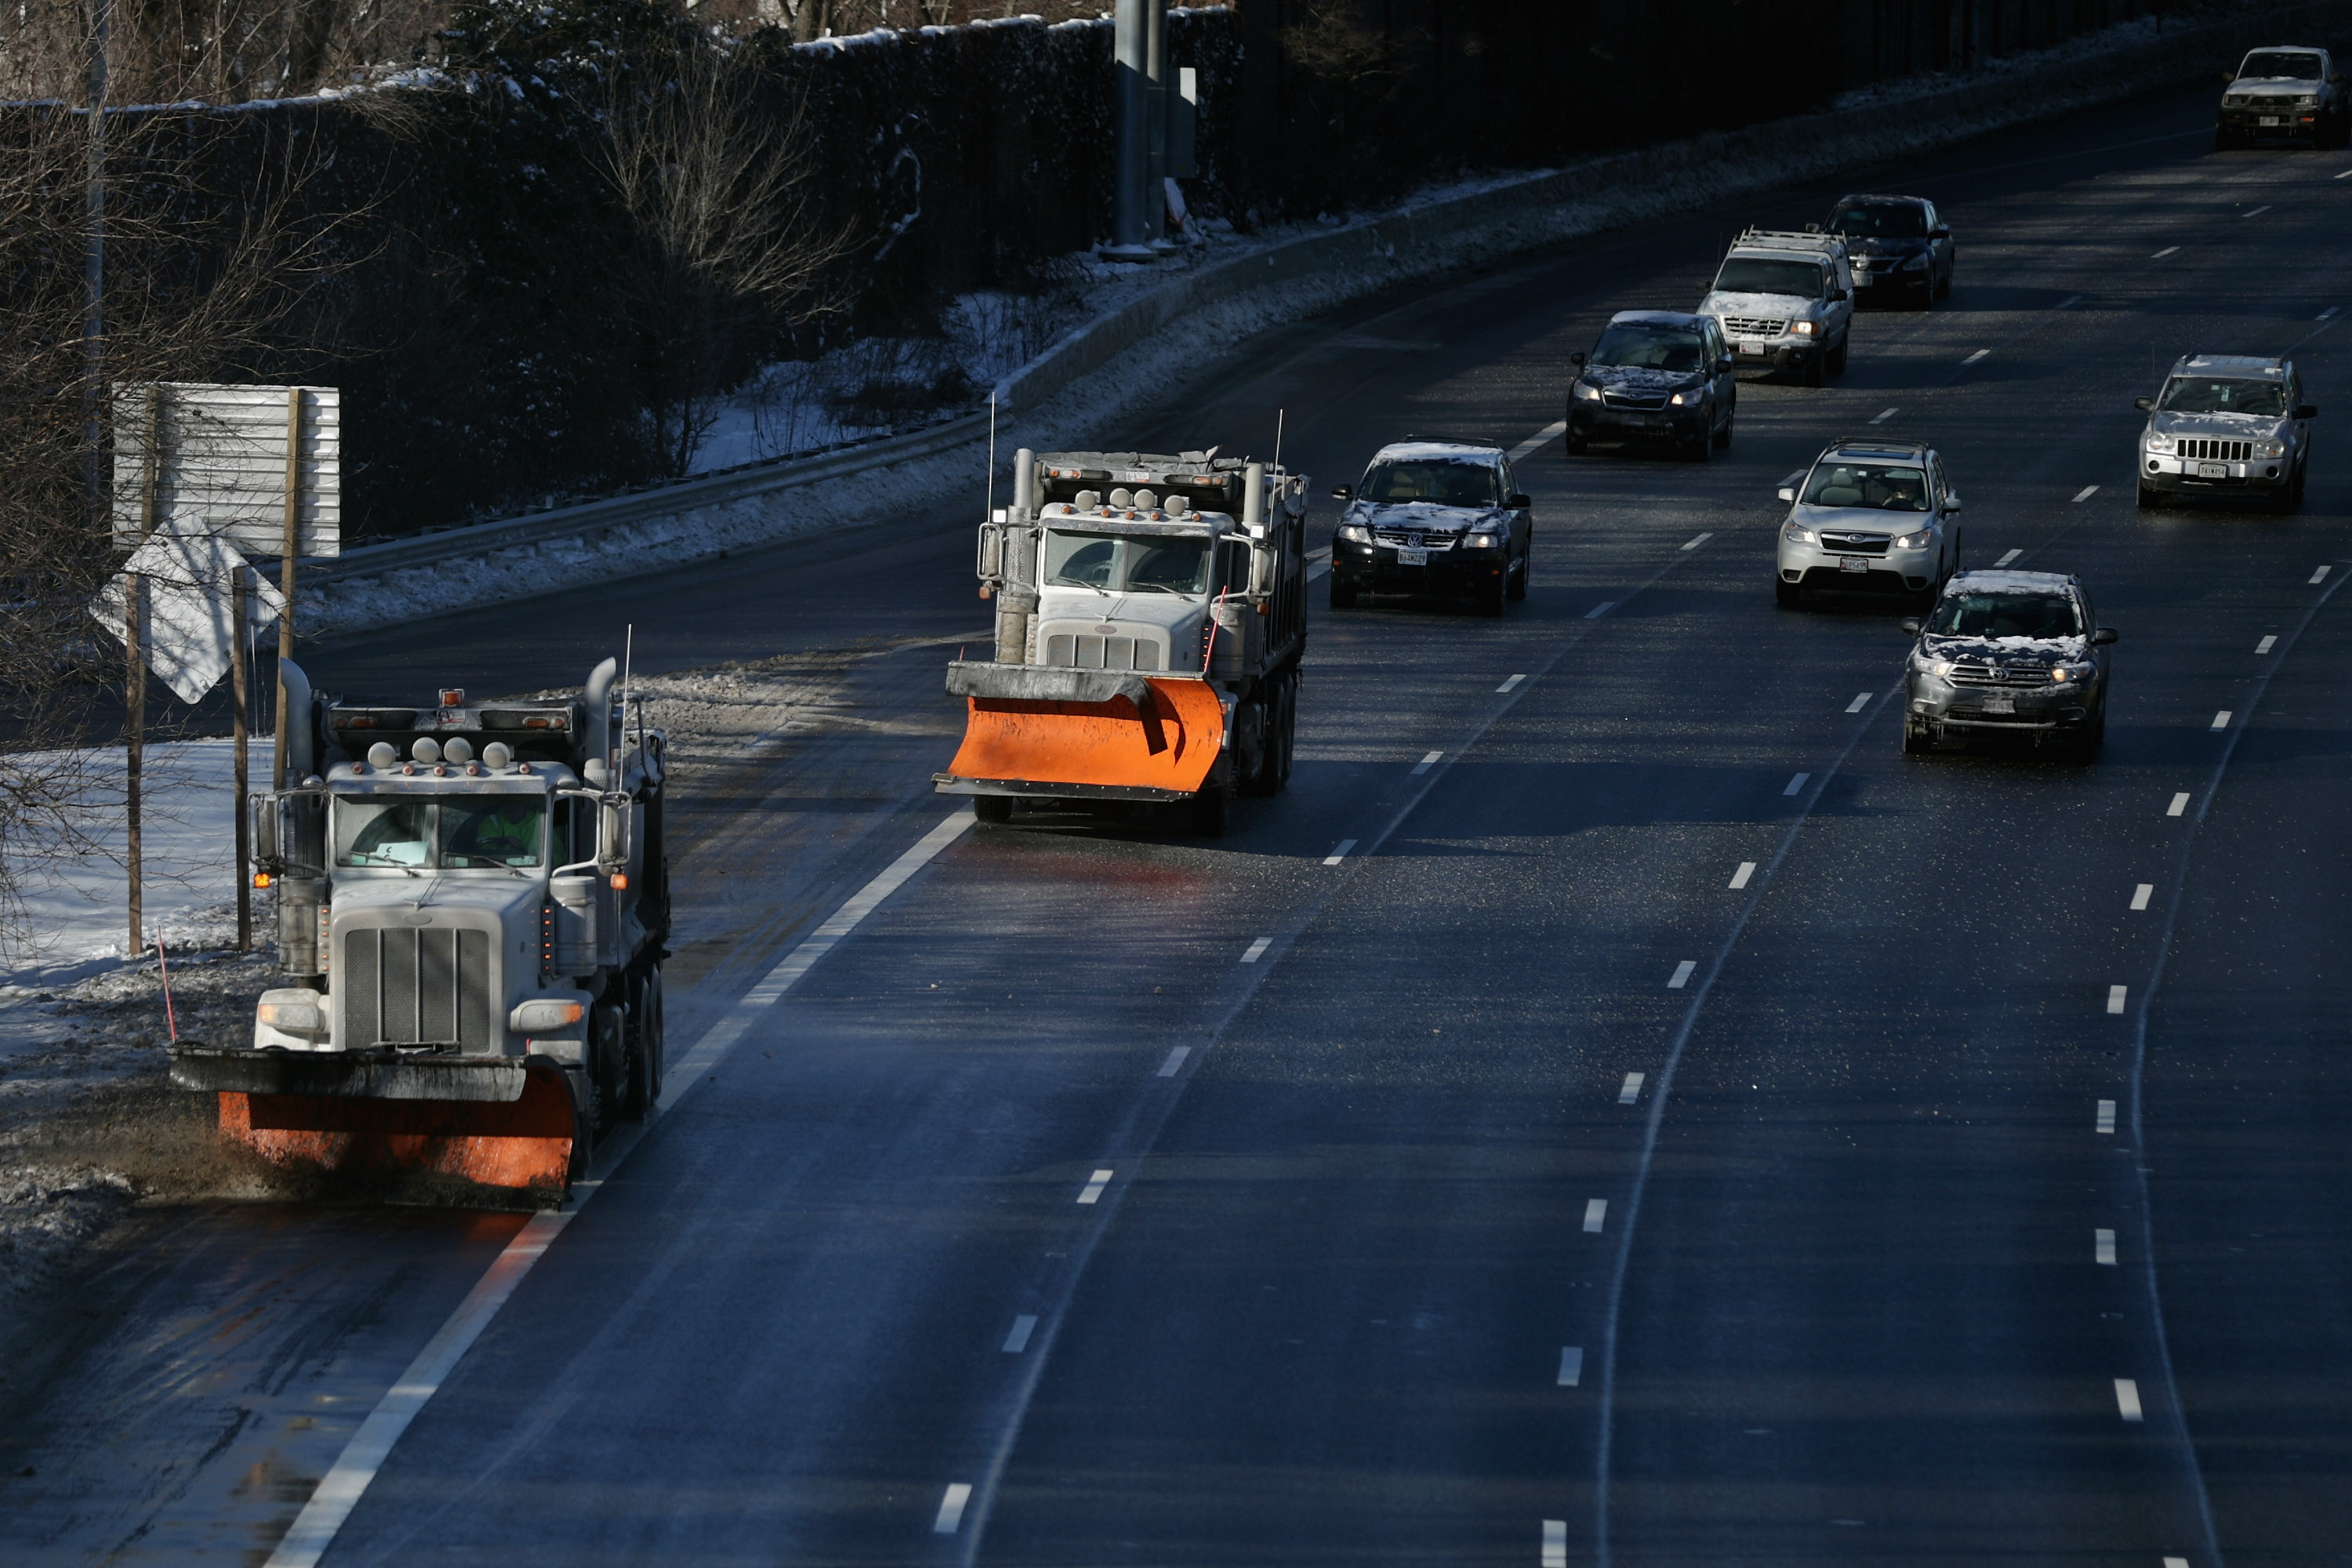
1658	377
1433	517
1901	247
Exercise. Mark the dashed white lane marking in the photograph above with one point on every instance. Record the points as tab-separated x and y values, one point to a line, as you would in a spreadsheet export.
2221	719
1257	950
1788	481
1175	1062
1093	1191
1702	539
2102	1247
2258	211
1018	1340
332	1502
1551	432
1882	416
2183	1562
2179	803
1555	1543
1427	762
1973	359
2105	1122
1509	684
1571	1366
2009	557
2085	493
2141	894
2168	250
2328	313
1796	784
1317	570
1740	878
2347	175
952	1506
2115	995
2265	646
1861	702
2070	301
1339	852
1601	609
1596	1210
2320	576
2128	1398
1631	1089
1683	972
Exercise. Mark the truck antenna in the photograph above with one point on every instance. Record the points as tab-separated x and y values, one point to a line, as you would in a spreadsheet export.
1278	436
628	660
989	515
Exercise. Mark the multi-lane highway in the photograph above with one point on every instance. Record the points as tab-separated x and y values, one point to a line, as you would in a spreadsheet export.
1612	1107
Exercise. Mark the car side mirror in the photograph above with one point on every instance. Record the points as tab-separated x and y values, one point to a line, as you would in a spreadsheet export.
1836	295
1940	233
1812	228
1725	363
1787	494
1913	625
2306	411
2337	77
1951	503
2104	636
1343	492
2143	403
1577	359
1519	503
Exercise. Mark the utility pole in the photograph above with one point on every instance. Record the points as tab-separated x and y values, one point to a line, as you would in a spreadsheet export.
1155	119
134	736
1130	229
93	261
240	663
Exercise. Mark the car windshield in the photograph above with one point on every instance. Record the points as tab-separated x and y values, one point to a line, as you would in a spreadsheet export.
467	834
2280	63
1650	348
2044	615
1882	486
2209	394
1753	275
1438	482
1880	220
1126	562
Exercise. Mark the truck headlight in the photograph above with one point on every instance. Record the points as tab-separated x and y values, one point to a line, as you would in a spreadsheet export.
544	1016
1919	541
2270	448
1796	535
1355	533
1585	392
293	1017
1805	328
2156	443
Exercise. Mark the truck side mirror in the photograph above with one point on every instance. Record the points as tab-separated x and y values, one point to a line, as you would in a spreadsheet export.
1263	565
1343	492
2306	411
2143	403
267	811
2104	636
613	817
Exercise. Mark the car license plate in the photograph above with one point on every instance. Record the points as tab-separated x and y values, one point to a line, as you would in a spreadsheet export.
1412	557
2000	705
1852	563
2267	120
1750	346
2212	470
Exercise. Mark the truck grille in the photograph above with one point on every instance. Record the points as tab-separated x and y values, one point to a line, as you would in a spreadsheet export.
1999	675
1854	544
1754	326
1086	650
2212	450
403	986
1415	538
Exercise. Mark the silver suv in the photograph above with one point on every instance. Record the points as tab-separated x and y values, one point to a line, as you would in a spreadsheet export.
1786	301
2228	426
1872	517
2007	655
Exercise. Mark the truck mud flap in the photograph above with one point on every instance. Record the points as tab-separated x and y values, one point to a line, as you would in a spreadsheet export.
1156	735
461	1152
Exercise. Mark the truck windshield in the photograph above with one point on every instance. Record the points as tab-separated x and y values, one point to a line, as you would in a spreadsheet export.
2273	64
1649	348
2041	617
1882	486
2206	394
1126	563
1755	274
488	831
1880	220
1440	483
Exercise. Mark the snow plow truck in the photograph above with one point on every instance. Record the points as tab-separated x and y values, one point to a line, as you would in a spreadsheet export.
1151	616
472	902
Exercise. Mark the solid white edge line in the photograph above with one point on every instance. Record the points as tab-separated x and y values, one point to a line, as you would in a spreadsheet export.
1018	1340
1596	1214
2009	557
2085	493
340	1491
1549	433
1740	878
1860	702
2070	301
1176	1054
2141	894
2128	1398
952	1506
1571	1373
1339	852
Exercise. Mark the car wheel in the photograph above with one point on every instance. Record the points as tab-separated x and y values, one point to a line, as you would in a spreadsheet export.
1836	356
1576	444
2224	140
2150	500
1343	595
1699	447
1518	579
1812	375
1914	739
1944	289
1489	595
2282	502
1723	437
1785	594
995	809
1927	293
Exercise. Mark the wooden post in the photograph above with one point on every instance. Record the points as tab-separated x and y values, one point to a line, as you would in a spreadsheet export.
240	629
134	693
286	567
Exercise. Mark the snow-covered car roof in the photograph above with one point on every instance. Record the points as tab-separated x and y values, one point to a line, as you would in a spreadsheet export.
2229	365
1990	580
1427	451
1657	319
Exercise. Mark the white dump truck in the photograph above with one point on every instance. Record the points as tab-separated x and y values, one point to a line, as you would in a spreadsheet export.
1151	616
472	902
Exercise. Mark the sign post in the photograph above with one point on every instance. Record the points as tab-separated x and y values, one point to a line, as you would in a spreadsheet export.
134	734
240	661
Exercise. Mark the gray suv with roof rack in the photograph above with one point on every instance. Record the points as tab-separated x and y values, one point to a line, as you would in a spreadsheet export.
1433	516
2226	425
1786	301
1872	516
2007	655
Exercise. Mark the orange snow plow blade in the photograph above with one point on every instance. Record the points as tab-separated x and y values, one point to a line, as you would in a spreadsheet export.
486	1151
1098	731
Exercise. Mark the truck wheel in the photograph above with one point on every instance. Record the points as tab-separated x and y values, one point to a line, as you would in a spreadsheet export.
1266	777
1343	595
994	809
635	1098
654	1038
1212	810
1288	731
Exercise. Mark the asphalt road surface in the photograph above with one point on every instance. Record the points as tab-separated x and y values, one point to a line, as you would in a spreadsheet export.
1612	1108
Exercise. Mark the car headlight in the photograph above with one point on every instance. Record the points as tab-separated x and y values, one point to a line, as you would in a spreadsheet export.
1919	541
1355	533
2308	100
2076	674
1585	392
1796	535
1916	264
2156	443
1689	399
2270	448
1805	328
1483	540
1938	668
